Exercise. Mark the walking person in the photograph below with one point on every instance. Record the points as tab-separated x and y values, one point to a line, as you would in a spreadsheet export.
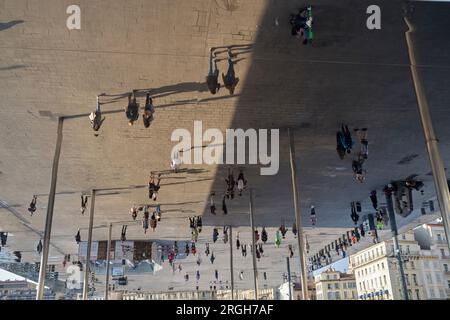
212	79
224	206
3	238
241	183
158	212
149	110
264	236
207	249
132	109
283	230
354	215
39	247
96	117
212	204
362	135
78	236
357	167
277	238
215	235
133	213
238	242
153	222
212	258
32	206
313	216
123	233
84	200
244	250
153	187
374	199
340	145
348	141
229	80
294	229
225	234
199	224
230	184
146	218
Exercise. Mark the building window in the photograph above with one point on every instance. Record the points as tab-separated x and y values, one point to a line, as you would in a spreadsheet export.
417	294
408	250
426	263
439	237
336	285
445	267
442	253
407	279
448	284
409	293
438	277
429	278
382	265
384	277
412	265
432	293
403	236
414	279
329	286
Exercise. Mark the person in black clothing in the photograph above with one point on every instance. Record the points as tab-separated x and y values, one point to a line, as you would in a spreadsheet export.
84	200
230	184
373	199
229	80
212	204
39	247
340	147
132	110
354	215
96	117
215	235
123	233
212	79
224	206
3	238
78	237
32	206
347	138
147	117
264	235
153	187
199	224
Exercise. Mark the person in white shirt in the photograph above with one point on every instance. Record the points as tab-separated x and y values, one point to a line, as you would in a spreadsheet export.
175	163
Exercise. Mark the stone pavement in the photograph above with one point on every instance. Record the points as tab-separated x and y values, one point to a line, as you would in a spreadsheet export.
350	75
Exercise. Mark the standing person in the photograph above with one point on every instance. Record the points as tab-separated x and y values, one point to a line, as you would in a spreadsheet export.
225	234
134	212
194	234
230	184
238	242
349	144
340	145
3	238
207	249
216	274
294	229
277	238
32	206
186	249
291	251
199	224
39	247
78	236
354	215
260	248
198	275
215	235
149	110
374	199
212	258
175	163
153	187
229	80
146	218
84	200
241	183
362	135
224	206
357	167
212	79
193	248
313	216
264	236
123	233
153	222
96	118
132	109
283	230
241	275
212	204
244	250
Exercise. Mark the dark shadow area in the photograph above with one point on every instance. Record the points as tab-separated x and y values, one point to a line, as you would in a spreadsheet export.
10	24
349	75
14	67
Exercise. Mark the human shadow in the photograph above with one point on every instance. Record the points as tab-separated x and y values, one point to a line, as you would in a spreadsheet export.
10	24
16	66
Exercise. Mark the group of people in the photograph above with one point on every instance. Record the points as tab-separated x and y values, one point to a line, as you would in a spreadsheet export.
302	23
131	112
229	79
345	145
